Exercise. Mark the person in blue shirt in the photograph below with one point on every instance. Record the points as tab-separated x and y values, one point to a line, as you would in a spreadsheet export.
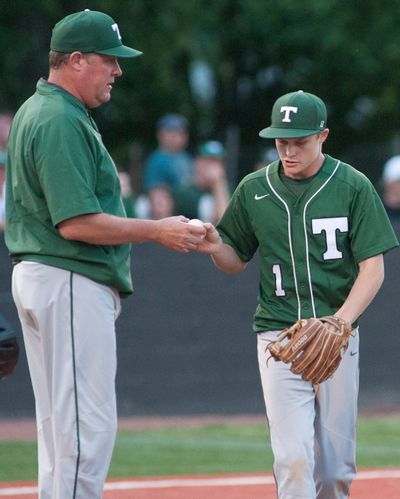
5	124
207	197
169	167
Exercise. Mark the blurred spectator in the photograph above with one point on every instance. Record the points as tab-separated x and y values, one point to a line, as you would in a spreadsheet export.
391	187
127	196
207	197
268	156
2	190
5	125
169	167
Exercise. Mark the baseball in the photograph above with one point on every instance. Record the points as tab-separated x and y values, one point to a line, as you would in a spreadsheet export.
197	222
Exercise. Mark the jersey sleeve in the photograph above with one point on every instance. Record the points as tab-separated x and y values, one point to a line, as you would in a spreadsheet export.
371	231
235	227
68	174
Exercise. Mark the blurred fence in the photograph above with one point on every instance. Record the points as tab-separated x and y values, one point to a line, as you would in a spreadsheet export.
185	344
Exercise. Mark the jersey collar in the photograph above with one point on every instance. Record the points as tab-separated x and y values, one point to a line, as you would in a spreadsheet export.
326	170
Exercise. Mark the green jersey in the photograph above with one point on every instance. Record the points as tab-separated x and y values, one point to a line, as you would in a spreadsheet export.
58	168
309	245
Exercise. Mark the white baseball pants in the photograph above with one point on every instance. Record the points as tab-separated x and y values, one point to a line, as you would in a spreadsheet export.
312	428
68	324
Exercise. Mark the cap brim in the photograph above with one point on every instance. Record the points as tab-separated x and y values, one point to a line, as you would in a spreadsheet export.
286	133
120	51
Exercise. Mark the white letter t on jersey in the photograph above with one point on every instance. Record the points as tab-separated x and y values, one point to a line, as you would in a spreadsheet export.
330	226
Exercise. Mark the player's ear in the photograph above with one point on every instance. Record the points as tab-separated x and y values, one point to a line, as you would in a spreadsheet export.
324	135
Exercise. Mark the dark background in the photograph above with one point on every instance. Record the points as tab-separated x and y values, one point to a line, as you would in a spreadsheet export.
185	344
184	337
222	63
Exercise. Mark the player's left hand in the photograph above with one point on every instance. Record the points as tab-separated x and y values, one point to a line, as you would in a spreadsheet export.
314	347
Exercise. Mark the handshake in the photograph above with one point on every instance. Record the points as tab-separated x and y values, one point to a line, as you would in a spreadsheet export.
209	238
183	235
198	223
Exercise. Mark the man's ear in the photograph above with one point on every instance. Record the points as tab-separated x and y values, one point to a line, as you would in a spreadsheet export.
75	60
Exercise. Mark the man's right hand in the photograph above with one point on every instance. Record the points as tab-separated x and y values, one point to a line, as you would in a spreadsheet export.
176	234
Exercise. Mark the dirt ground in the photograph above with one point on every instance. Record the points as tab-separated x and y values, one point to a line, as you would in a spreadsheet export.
369	484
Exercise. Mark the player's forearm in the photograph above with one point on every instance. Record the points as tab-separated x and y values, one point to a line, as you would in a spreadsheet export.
364	290
224	256
227	260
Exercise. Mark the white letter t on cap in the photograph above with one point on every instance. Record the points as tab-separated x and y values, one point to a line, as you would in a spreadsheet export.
116	29
287	110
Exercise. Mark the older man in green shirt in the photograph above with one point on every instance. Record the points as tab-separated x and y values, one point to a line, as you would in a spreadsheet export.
70	239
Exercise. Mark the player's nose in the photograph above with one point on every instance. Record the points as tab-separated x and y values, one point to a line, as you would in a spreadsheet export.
287	150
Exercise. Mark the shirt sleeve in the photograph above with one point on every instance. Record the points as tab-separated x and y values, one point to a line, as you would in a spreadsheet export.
235	227
371	231
66	161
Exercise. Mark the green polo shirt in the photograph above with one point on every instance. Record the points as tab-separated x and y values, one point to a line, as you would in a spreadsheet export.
59	168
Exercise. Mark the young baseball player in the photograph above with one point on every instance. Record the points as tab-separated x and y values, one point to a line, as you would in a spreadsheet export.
68	234
321	231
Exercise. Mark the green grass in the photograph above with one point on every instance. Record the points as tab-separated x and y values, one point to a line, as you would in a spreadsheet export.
207	449
378	442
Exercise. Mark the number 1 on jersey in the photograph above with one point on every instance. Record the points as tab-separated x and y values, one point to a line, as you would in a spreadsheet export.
279	291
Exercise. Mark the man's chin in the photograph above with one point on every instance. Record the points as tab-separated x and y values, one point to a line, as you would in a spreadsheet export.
99	102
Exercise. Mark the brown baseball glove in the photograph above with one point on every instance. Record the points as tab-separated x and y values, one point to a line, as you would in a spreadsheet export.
315	347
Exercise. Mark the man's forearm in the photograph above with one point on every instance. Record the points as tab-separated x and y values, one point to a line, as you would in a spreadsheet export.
100	228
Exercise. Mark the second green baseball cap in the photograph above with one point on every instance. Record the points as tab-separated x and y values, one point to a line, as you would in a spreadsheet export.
90	31
212	149
297	114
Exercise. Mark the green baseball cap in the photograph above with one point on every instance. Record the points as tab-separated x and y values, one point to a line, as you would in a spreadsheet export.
297	114
90	31
212	149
